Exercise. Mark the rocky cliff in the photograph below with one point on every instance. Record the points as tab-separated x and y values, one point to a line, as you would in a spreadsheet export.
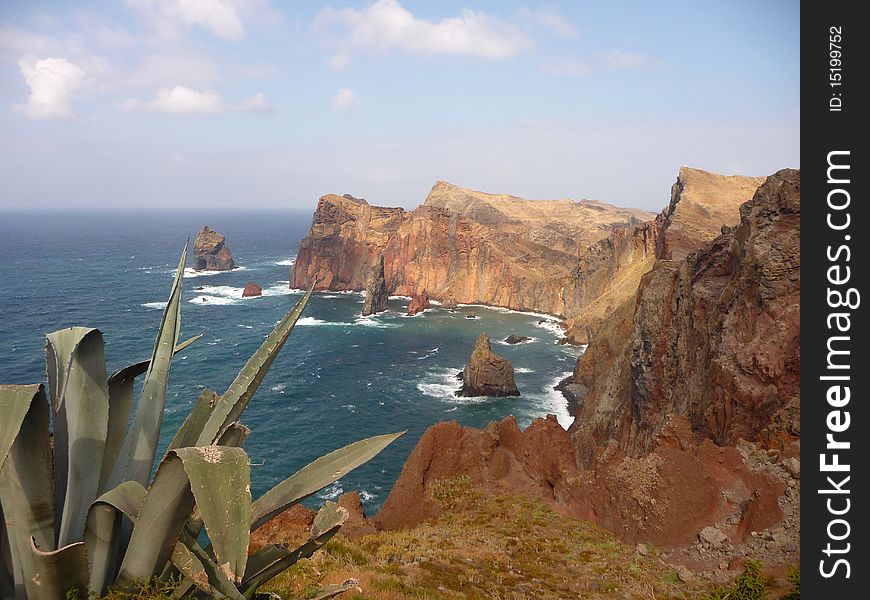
210	251
463	246
714	337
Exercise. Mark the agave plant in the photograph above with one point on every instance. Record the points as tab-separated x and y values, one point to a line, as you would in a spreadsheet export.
80	510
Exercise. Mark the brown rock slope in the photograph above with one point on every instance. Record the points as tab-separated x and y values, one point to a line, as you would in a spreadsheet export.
487	373
715	337
210	252
462	246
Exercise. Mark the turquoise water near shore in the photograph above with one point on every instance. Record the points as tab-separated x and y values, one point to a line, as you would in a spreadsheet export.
340	378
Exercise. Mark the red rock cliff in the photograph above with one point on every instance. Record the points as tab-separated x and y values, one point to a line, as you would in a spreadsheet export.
465	245
714	337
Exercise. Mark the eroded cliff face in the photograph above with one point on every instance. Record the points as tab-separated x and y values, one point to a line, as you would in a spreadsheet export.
714	337
465	246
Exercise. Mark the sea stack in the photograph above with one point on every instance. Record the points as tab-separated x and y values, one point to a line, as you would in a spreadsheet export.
487	373
376	290
252	290
210	251
419	303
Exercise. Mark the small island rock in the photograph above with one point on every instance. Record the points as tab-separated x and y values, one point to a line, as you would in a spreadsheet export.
419	303
487	374
210	252
516	339
252	290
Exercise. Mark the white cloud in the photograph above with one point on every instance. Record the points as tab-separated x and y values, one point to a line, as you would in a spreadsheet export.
386	24
344	99
176	158
256	103
169	17
548	18
179	100
619	59
568	67
53	83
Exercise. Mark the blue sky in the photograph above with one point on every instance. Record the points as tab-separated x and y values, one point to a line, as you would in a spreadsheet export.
216	104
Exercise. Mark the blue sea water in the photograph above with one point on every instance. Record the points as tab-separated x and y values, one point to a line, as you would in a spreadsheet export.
340	377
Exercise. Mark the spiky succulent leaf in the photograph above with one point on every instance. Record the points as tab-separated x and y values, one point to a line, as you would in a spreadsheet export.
120	405
317	475
220	479
61	573
164	511
238	394
136	458
103	531
188	433
26	478
76	364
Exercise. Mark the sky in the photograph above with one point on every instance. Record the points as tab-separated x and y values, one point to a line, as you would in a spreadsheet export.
246	104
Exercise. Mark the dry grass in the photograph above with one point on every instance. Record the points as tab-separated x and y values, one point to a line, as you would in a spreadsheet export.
486	548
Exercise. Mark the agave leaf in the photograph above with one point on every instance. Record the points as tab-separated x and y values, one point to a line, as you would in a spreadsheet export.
220	479
76	371
164	511
327	522
200	569
317	475
26	478
61	573
120	404
103	531
84	404
237	396
136	457
188	433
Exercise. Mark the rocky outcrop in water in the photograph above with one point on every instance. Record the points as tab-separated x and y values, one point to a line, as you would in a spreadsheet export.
210	252
517	339
252	290
376	290
487	373
419	303
714	337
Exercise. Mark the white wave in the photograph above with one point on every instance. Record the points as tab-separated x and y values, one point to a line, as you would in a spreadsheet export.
366	496
279	288
523	370
551	326
551	401
429	354
374	321
331	492
213	300
440	383
311	321
502	309
400	297
331	296
289	262
190	272
154	305
224	291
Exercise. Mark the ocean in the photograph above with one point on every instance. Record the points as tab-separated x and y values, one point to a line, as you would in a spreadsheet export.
340	377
